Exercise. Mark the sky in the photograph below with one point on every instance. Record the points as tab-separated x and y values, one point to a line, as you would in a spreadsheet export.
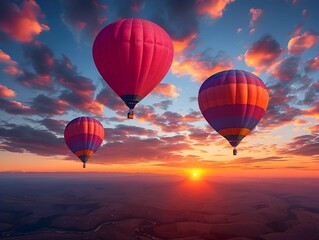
48	78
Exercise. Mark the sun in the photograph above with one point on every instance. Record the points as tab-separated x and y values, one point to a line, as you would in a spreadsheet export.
195	174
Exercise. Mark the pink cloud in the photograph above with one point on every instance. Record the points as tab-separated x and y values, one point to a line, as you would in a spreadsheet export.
214	8
181	45
21	23
263	53
166	90
199	67
6	92
14	107
300	43
36	81
312	64
255	16
10	65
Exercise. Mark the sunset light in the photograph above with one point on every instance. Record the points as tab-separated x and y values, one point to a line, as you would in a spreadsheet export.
139	119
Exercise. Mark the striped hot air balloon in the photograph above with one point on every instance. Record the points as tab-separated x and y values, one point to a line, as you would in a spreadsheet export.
133	56
83	136
233	102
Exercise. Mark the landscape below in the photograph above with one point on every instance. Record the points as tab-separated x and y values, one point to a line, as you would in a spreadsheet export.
146	206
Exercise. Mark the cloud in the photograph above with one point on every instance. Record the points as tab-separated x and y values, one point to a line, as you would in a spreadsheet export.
85	18
300	43
15	138
251	160
280	105
311	94
11	67
54	125
36	81
40	56
66	74
312	65
151	149
14	107
214	8
263	53
6	92
166	90
109	99
180	19
82	102
123	132
172	120
297	30
21	23
286	69
255	16
304	145
127	8
44	105
201	66
313	111
314	129
163	104
180	45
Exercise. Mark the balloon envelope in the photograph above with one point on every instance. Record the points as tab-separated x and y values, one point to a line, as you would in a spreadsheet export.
133	56
83	136
233	102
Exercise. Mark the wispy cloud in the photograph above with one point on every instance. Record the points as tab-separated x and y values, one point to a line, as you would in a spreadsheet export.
255	16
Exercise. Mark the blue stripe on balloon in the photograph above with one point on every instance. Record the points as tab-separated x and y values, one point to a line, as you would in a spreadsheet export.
233	122
84	141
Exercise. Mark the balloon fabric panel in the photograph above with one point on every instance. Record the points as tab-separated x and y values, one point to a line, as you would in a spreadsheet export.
133	56
83	136
233	102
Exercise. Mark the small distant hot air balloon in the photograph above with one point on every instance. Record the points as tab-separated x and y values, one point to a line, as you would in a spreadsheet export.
83	136
233	102
133	56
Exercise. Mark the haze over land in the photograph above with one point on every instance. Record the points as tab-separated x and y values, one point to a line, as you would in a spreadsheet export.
146	206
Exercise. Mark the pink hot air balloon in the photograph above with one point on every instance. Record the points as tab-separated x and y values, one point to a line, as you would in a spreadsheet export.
133	56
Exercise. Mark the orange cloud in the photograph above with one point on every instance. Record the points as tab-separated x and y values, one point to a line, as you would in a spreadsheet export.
299	44
312	112
199	68
165	89
181	45
255	15
263	53
214	8
314	128
22	24
11	66
300	122
6	92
